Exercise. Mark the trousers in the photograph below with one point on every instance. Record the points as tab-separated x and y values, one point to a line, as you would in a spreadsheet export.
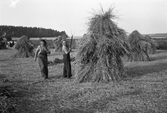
43	64
67	65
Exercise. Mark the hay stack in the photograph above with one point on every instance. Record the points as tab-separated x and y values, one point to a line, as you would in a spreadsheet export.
140	46
3	42
58	43
25	47
99	55
153	43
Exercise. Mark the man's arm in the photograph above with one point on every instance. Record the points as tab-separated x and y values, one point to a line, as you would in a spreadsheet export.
69	50
47	50
36	52
65	50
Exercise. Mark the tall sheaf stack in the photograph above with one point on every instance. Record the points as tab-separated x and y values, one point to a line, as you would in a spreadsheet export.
141	46
100	51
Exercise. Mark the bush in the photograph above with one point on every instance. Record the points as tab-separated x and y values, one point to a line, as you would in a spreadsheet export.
162	44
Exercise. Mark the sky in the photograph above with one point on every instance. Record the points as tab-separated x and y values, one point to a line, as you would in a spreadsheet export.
72	16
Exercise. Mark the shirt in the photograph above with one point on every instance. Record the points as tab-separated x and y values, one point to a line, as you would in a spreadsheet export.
41	48
65	49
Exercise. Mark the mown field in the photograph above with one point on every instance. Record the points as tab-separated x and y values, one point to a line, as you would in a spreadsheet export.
143	91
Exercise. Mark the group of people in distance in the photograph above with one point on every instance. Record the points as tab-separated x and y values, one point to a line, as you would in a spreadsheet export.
41	54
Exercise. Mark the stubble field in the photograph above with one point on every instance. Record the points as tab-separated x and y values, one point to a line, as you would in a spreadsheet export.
144	91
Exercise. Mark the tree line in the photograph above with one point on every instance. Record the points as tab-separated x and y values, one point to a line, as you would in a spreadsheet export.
18	31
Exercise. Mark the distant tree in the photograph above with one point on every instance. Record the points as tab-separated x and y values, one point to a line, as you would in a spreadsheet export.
18	31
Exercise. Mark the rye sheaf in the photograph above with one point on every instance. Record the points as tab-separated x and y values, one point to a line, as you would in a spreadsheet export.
100	50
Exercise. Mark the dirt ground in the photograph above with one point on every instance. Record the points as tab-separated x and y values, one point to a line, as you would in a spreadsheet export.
144	91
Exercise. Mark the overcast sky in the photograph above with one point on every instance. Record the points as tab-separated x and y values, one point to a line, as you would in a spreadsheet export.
146	16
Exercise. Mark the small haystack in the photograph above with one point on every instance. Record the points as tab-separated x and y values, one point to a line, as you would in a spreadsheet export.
100	51
25	47
140	46
153	43
3	42
58	43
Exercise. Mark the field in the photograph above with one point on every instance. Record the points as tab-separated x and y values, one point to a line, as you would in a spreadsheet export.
143	91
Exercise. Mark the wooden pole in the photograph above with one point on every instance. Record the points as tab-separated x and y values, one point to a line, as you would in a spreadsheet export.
71	41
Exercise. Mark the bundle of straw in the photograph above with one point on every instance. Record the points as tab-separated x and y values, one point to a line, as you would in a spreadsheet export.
153	43
99	54
139	45
25	47
58	43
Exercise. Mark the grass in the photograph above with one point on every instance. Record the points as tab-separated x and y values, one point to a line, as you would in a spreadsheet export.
145	91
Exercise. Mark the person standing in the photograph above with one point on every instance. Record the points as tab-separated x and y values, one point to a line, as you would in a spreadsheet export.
66	60
42	55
